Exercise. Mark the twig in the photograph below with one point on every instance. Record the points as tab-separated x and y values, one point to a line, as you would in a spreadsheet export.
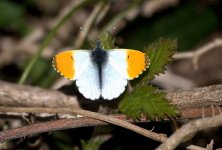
88	24
150	7
210	145
103	13
194	147
190	128
195	55
117	19
104	118
48	127
118	122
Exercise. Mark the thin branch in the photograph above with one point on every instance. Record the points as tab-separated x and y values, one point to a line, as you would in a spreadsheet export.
97	116
88	24
117	19
190	128
103	13
210	145
124	124
195	55
48	127
151	7
194	147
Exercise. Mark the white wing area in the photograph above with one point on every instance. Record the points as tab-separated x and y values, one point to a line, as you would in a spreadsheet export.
114	74
86	75
117	58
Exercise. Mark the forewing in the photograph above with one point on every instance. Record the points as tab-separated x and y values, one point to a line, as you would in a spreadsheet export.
70	63
129	63
137	62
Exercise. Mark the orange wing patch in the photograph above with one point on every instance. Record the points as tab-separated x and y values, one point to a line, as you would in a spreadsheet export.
137	63
64	64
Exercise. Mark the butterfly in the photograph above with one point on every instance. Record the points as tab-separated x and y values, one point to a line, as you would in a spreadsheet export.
101	73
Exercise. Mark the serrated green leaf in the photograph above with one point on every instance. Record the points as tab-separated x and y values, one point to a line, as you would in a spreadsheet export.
148	101
160	54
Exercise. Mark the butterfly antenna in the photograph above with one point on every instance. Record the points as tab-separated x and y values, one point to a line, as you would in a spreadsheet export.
91	41
113	31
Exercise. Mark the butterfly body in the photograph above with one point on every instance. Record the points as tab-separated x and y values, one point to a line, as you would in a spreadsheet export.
99	59
100	73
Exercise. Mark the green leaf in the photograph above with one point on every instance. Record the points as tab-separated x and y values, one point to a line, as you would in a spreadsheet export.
107	40
148	101
160	54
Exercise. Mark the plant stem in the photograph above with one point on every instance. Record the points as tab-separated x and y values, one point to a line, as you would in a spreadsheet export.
49	38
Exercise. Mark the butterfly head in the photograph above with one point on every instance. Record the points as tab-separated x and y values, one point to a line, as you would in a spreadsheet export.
99	54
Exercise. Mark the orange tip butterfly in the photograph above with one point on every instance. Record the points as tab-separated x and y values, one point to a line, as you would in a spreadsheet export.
100	73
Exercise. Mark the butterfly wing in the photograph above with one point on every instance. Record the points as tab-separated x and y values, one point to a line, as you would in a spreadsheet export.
113	82
122	65
129	63
77	65
70	64
64	64
137	62
88	82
